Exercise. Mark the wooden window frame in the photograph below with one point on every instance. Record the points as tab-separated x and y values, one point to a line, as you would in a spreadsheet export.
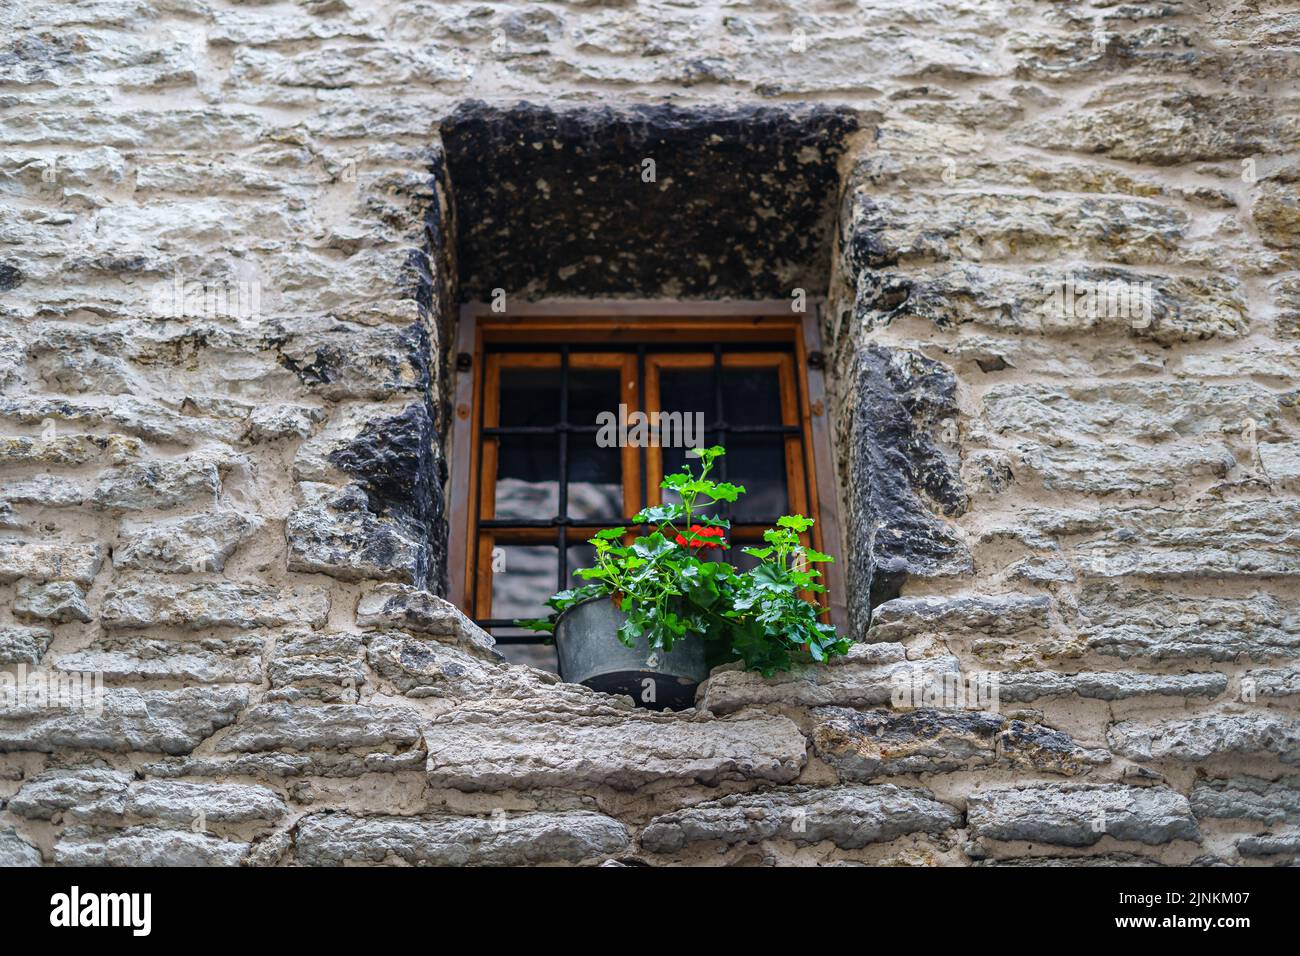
635	323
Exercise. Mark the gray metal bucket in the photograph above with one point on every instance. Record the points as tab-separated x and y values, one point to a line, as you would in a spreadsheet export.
590	653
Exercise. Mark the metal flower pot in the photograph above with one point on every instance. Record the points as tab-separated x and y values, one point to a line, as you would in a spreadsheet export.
590	653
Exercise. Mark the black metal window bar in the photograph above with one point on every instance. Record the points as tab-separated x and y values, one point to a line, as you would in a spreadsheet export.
565	526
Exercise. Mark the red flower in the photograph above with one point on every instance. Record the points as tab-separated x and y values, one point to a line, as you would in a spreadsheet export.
702	536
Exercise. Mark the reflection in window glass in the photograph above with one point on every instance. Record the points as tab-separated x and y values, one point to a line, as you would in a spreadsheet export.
524	576
761	460
526	477
595	480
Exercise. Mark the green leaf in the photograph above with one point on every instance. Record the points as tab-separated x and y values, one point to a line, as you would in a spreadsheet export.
795	522
610	534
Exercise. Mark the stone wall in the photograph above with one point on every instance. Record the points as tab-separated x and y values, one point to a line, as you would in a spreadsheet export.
237	518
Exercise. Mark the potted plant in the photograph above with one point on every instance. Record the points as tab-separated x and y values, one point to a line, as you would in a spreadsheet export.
658	613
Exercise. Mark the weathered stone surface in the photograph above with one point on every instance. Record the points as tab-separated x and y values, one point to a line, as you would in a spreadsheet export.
1158	410
329	727
193	544
1080	814
518	745
396	461
1249	798
1272	682
1101	685
156	721
146	602
209	661
23	645
1104	468
959	615
1229	539
60	791
900	476
986	226
719	160
411	609
58	602
339	361
144	846
49	491
50	562
854	681
335	839
865	745
422	668
1127	622
281	764
1270	844
346	540
1169	128
1281	462
1156	307
158	485
1202	738
15	851
299	672
178	802
68	450
849	817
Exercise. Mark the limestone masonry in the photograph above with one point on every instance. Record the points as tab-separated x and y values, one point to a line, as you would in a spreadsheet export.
1058	245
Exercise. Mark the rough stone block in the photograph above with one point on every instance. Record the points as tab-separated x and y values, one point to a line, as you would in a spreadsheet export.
1249	798
1120	620
144	846
865	745
412	609
848	817
158	485
58	602
23	645
157	721
193	544
50	562
209	661
148	602
520	745
334	839
855	681
329	727
15	851
1080	815
1216	735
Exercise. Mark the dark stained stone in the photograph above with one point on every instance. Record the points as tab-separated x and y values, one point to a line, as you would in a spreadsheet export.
741	204
900	477
398	462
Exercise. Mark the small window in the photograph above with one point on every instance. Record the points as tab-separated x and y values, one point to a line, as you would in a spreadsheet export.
551	412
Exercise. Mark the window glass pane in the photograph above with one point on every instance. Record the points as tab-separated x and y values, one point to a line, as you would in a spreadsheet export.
592	391
523	577
527	485
530	396
751	396
758	461
687	390
595	480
